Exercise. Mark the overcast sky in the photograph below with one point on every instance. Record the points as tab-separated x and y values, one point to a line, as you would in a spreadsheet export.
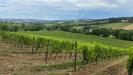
65	9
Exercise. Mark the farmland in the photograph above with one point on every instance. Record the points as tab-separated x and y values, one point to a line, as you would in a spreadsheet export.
60	50
119	25
66	37
114	25
129	27
83	38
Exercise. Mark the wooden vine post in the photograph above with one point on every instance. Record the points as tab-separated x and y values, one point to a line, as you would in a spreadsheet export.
21	43
33	45
75	56
47	46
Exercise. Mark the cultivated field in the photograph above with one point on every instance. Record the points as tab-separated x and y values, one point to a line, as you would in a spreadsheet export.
83	38
114	25
13	61
129	27
57	53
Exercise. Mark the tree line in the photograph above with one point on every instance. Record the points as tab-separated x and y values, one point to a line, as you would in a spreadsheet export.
14	27
118	34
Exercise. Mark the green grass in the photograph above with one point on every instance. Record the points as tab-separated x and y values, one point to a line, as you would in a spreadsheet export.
82	38
113	25
56	66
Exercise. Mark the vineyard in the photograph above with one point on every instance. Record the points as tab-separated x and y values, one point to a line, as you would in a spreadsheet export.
83	38
130	62
57	45
78	48
66	37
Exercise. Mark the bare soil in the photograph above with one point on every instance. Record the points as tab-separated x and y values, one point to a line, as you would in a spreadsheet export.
110	67
129	27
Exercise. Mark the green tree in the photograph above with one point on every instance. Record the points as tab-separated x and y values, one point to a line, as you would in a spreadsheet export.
4	27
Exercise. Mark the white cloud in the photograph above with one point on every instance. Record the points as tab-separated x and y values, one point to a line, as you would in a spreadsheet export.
79	4
122	1
62	7
65	4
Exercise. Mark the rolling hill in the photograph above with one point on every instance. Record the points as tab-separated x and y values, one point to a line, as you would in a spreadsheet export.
84	38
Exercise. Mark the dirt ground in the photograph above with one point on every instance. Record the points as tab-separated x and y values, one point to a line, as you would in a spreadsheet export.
129	27
25	64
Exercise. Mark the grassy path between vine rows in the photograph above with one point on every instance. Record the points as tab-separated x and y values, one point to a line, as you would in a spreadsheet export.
28	64
111	67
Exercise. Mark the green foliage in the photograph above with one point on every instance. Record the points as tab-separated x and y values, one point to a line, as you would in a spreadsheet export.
33	28
56	66
92	52
82	38
4	27
130	63
85	54
102	32
14	27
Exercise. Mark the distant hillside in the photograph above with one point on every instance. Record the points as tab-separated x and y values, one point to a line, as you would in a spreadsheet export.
23	20
119	25
71	22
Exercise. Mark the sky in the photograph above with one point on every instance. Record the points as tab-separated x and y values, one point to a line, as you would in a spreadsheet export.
65	9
